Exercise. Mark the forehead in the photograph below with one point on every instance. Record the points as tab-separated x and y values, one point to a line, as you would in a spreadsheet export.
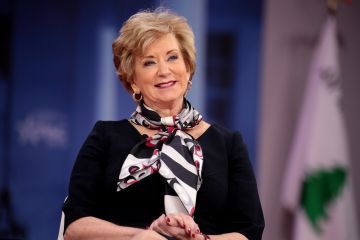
161	44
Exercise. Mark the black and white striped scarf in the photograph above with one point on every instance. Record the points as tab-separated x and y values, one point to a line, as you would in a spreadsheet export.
176	155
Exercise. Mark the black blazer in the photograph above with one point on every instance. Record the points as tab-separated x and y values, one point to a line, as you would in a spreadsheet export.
227	201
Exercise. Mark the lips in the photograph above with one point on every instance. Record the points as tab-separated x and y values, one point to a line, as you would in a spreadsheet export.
165	84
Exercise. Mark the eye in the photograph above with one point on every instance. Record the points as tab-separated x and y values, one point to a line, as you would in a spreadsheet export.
148	63
173	57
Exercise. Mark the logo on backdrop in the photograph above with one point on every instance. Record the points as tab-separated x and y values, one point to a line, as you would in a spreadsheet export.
43	127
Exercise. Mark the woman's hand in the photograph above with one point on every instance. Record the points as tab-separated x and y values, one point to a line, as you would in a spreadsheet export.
147	235
179	226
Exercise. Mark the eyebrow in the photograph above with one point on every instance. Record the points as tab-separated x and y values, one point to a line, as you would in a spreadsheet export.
168	52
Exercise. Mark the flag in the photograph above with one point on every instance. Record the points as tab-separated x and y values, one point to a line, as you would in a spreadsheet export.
317	185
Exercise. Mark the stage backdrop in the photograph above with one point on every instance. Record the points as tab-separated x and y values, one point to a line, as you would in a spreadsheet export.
62	80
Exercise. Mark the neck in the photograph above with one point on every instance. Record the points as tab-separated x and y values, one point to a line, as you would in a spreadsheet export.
168	109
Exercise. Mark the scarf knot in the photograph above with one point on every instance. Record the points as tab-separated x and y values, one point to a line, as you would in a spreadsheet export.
176	155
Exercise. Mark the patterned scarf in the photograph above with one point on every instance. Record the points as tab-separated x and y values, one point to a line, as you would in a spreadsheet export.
171	152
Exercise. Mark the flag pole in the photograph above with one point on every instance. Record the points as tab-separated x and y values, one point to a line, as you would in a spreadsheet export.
332	6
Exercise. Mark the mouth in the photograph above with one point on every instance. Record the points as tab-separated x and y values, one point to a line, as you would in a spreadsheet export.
165	84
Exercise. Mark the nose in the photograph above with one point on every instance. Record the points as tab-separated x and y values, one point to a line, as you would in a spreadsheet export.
164	69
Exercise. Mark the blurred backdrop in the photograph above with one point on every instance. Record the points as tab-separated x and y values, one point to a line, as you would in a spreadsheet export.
57	78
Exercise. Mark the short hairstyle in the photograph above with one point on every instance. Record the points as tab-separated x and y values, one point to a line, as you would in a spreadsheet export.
141	30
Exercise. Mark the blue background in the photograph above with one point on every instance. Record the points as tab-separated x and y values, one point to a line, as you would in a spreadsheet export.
56	82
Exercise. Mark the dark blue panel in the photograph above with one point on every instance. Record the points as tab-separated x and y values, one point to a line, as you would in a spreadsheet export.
42	78
55	76
234	65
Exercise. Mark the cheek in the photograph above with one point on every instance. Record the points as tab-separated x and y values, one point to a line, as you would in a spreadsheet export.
185	74
186	77
143	78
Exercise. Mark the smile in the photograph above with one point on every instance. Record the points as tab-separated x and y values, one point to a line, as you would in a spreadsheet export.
165	84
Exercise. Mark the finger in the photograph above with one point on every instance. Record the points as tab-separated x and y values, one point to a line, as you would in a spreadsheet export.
174	220
177	232
157	221
167	225
178	221
170	221
162	218
185	221
190	225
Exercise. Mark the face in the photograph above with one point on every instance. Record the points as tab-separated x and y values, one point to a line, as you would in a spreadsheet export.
160	74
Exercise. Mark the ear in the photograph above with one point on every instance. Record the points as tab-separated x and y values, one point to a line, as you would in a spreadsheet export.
189	76
134	87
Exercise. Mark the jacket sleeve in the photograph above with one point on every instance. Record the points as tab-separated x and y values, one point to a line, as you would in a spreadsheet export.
86	177
244	208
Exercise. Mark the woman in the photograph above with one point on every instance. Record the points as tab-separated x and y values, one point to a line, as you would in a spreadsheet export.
165	173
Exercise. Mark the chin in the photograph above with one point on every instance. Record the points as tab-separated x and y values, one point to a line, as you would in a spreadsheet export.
170	100
169	97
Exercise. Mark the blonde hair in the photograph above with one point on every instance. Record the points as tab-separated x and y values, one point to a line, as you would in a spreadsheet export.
141	30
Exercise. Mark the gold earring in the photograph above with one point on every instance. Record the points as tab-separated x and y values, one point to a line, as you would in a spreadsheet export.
137	97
